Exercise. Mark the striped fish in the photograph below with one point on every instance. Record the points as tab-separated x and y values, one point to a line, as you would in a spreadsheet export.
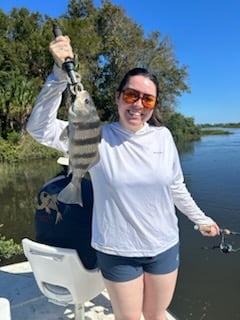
84	133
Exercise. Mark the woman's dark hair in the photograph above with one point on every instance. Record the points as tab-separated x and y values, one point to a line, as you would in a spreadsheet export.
156	119
138	72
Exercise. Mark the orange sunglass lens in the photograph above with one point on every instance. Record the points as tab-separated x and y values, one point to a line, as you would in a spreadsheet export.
149	102
131	96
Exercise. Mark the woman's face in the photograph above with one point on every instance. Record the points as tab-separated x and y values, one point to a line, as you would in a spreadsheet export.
132	116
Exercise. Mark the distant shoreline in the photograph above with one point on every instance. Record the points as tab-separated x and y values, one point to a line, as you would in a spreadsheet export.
220	125
217	128
214	132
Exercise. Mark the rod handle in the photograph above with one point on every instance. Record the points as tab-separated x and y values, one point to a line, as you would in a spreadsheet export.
69	64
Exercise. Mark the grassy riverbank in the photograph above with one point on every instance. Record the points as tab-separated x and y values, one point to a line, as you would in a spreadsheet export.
24	149
214	132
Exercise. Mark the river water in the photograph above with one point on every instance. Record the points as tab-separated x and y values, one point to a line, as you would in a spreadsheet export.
208	286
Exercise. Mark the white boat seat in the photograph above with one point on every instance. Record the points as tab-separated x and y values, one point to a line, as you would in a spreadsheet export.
61	276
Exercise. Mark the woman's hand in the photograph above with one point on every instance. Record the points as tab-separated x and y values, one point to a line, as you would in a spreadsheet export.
61	49
209	231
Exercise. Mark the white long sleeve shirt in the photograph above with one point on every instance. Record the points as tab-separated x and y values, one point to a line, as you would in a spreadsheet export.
137	182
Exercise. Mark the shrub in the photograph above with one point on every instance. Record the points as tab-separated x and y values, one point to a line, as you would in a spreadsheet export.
14	137
9	248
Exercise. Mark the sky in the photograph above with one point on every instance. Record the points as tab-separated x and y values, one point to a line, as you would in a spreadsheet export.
205	35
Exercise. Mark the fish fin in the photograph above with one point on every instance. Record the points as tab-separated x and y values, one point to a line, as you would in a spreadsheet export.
69	171
71	194
64	135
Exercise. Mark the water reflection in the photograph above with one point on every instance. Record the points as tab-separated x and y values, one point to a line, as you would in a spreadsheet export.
208	284
185	148
18	189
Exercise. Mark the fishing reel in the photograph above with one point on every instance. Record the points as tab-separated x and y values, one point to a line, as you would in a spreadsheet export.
224	246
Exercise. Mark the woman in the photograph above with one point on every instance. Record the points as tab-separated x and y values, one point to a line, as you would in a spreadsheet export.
137	183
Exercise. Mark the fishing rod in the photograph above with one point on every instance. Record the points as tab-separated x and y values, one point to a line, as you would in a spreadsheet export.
69	64
224	246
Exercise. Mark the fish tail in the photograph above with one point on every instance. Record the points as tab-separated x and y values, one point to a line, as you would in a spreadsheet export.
71	194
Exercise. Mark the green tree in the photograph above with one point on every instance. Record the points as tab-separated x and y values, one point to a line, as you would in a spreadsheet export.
17	97
120	39
24	93
125	47
106	43
182	128
158	57
80	24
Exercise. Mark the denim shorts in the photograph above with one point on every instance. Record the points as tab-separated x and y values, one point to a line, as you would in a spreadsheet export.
120	269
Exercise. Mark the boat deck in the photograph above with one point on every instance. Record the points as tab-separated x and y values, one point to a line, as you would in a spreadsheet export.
27	302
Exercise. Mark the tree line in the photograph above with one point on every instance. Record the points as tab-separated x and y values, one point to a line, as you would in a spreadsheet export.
106	44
